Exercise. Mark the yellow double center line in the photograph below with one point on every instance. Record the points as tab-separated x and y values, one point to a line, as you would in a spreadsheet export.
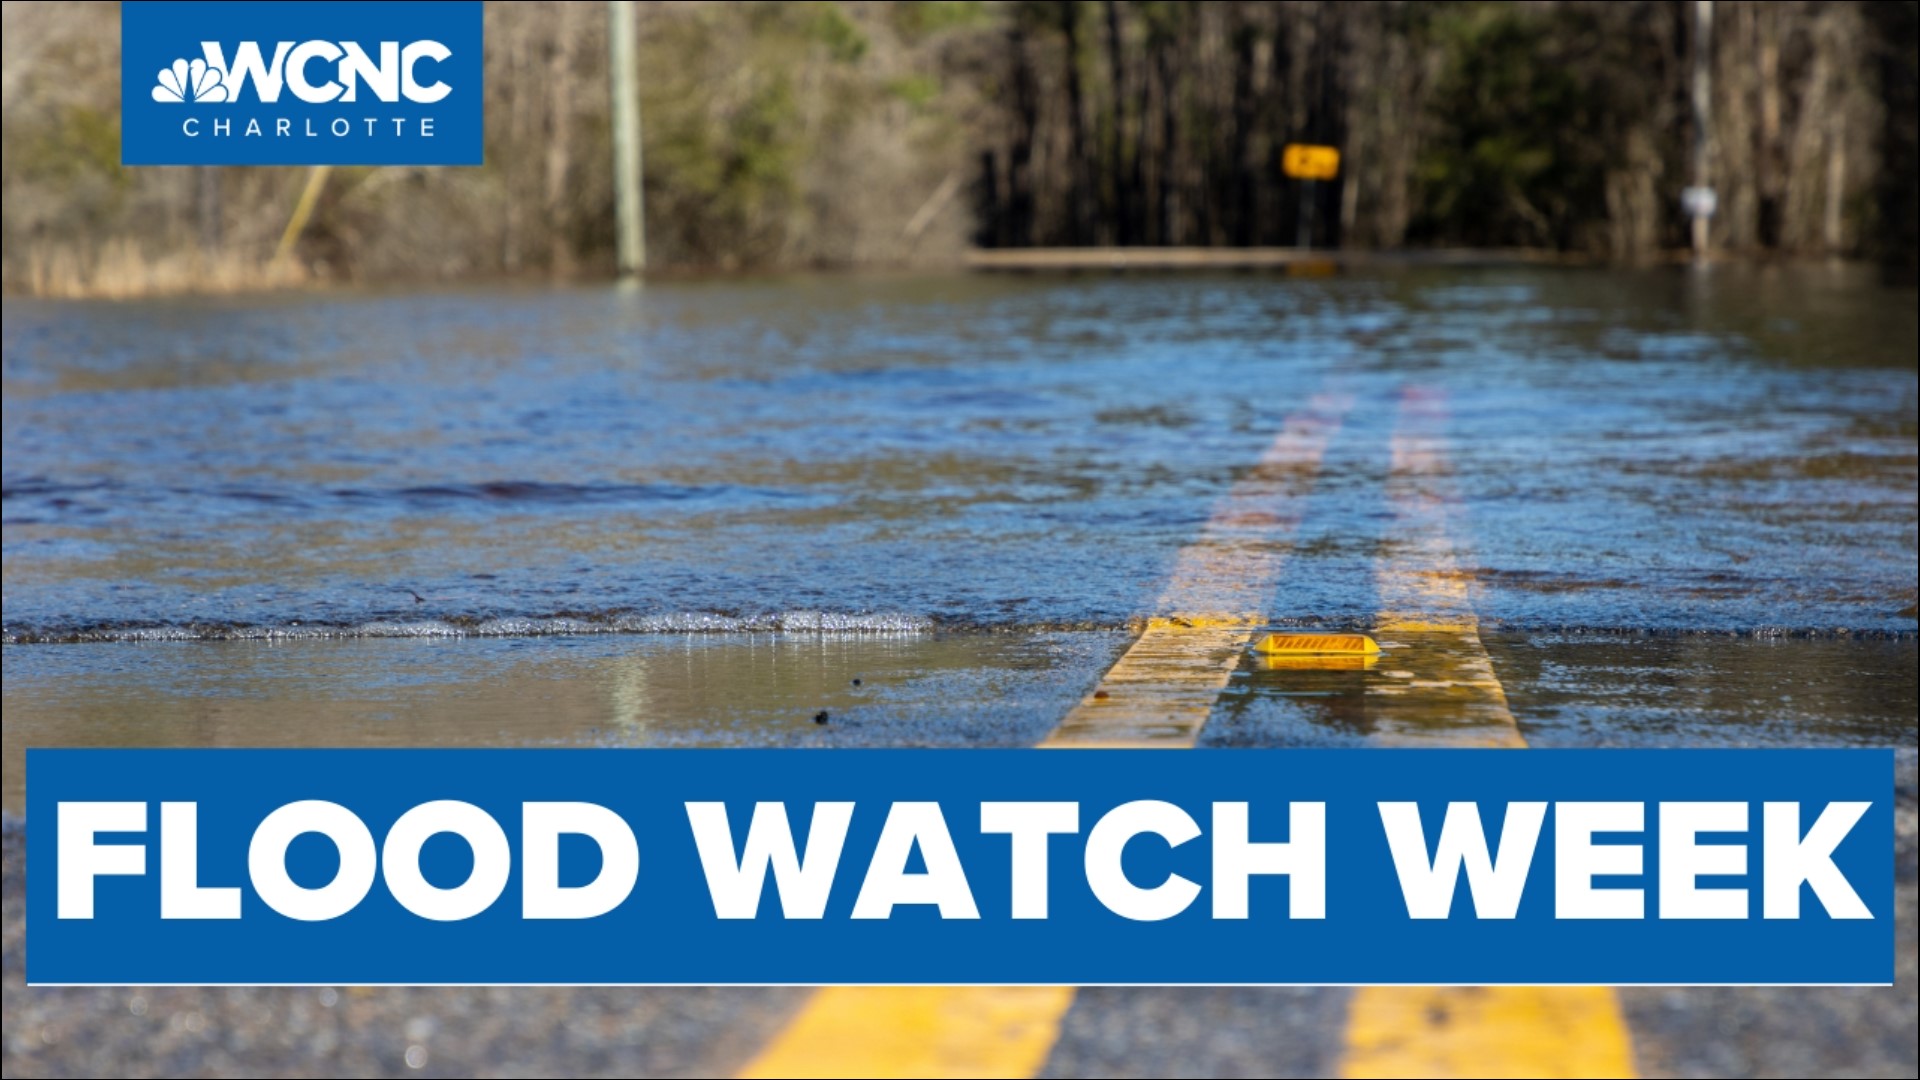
1434	685
1157	694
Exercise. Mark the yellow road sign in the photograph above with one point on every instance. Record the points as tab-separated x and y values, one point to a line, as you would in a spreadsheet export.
1305	161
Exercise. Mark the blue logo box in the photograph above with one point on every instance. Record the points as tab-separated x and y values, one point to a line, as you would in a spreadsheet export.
960	866
389	83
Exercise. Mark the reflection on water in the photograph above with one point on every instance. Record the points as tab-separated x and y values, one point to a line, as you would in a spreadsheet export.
1583	691
689	690
1703	691
1631	449
932	690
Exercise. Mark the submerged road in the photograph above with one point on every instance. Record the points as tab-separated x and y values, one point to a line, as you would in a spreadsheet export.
1576	508
1652	451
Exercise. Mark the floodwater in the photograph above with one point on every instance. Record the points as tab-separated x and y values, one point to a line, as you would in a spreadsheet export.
769	689
1661	450
929	511
926	689
1683	504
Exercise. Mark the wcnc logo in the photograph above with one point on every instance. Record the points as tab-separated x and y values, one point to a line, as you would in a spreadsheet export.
388	78
301	84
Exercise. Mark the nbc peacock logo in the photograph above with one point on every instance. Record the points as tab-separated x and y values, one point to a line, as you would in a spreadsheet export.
194	81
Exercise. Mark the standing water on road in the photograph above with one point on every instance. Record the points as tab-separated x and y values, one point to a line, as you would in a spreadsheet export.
927	512
1662	450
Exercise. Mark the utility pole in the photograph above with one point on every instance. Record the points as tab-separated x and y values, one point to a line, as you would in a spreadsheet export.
629	212
1309	194
1699	199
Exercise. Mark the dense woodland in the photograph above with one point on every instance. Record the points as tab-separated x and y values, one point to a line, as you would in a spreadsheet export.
1553	125
837	134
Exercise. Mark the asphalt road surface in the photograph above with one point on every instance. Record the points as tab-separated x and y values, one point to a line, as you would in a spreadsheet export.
1580	507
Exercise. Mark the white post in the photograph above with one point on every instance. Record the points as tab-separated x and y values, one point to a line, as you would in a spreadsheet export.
629	211
1700	207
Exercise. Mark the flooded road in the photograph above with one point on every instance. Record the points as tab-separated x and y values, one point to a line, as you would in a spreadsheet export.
1659	450
1578	508
934	689
613	690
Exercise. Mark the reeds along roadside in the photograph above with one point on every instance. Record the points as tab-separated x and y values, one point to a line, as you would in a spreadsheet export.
121	270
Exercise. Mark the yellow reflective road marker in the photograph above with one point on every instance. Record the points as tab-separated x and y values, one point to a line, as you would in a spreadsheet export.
1313	662
1157	694
1317	645
1161	691
1434	685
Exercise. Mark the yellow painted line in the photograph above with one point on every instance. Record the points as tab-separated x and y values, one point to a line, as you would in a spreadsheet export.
1490	1031
1434	685
1157	694
1161	691
887	1031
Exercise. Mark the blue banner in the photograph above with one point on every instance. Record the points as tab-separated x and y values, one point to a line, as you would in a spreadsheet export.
960	866
335	83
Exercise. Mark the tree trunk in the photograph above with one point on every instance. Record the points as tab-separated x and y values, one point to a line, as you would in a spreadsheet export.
1079	196
1120	177
559	132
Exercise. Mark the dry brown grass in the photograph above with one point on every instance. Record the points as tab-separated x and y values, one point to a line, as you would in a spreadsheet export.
121	270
